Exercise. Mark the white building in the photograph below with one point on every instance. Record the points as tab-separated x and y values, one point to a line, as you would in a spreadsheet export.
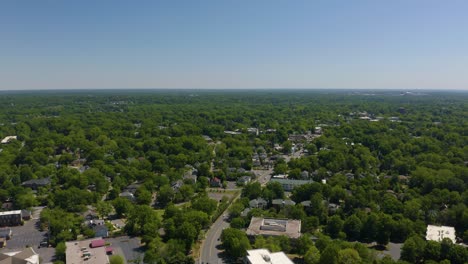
263	256
8	139
438	233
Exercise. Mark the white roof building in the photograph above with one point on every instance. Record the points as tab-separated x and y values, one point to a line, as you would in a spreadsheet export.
27	256
8	139
438	233
263	256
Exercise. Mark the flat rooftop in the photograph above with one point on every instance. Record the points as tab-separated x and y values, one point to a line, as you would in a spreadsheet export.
274	227
264	256
76	251
10	212
438	233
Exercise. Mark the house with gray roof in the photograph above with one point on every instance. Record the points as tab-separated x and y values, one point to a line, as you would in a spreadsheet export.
36	183
258	203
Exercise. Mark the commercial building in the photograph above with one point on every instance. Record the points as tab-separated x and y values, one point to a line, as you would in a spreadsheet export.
288	184
90	251
10	218
264	256
438	233
274	227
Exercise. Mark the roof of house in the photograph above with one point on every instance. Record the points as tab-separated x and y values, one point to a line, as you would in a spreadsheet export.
245	178
257	202
127	194
264	256
27	256
42	181
282	202
290	181
25	213
101	231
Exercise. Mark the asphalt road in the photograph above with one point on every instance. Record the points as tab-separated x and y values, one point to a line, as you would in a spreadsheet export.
209	252
263	176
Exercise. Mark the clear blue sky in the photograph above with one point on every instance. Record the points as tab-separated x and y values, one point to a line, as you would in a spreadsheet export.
233	44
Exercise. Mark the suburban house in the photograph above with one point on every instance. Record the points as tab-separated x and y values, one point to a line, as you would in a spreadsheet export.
101	231
215	182
258	203
176	185
279	203
36	183
128	195
244	180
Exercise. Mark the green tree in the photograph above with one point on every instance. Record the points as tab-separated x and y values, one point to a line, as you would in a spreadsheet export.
122	206
349	256
458	254
143	196
186	191
303	244
235	242
252	190
334	226
116	259
165	195
104	208
329	255
238	223
142	220
312	255
352	227
413	249
60	250
25	200
432	250
204	204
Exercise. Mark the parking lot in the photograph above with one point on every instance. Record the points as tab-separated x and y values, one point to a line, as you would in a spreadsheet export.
27	235
129	247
